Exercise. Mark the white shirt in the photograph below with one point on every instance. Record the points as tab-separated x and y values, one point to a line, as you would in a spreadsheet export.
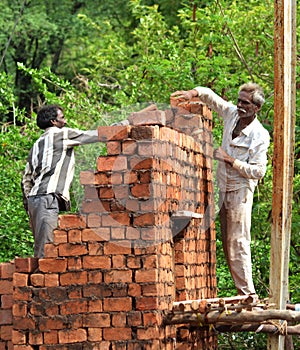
249	148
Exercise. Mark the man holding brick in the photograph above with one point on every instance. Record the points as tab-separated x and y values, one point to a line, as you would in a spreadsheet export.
49	173
242	162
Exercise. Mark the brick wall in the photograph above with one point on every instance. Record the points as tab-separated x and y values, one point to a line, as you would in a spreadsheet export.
144	238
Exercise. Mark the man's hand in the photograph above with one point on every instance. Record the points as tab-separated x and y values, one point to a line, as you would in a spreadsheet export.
187	95
221	155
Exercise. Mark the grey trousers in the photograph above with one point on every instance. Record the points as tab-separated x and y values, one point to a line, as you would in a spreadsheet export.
235	219
43	212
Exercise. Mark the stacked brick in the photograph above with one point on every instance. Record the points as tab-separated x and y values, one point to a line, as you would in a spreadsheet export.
144	239
6	302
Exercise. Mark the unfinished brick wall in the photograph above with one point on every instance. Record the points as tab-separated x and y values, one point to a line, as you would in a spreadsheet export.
144	239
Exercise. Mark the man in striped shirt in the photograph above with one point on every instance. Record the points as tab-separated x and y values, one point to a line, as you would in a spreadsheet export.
49	173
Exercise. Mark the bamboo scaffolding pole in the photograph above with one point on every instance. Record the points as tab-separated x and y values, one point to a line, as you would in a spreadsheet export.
284	141
258	328
231	317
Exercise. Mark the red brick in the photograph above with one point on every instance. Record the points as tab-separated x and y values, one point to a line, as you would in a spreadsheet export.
37	280
118	261
74	236
149	290
94	334
96	262
75	293
26	264
93	220
147	219
113	147
18	337
152	318
20	279
95	306
6	287
7	270
22	294
129	147
132	233
96	234
117	334
96	320
118	276
74	263
60	236
112	163
36	309
87	178
51	280
53	265
51	337
6	332
95	276
50	250
118	233
119	247
93	206
36	339
134	290
147	118
141	190
68	221
24	324
91	192
96	291
116	219
6	301
149	333
117	304
119	320
77	277
117	132
72	336
134	318
144	132
95	248
74	307
147	303
54	323
72	249
141	163
106	193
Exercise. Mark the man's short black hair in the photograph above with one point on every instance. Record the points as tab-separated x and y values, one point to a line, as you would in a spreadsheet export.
46	114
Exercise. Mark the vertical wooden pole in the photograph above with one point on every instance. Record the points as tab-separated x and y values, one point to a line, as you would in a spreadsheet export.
283	160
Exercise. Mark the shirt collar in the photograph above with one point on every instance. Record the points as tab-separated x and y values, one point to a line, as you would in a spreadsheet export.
247	130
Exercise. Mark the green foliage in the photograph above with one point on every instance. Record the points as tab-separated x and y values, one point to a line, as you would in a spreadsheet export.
16	237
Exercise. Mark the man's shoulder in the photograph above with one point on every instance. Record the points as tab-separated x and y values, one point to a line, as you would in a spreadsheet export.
259	131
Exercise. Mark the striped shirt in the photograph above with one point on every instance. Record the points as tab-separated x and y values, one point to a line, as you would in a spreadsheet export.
249	149
50	164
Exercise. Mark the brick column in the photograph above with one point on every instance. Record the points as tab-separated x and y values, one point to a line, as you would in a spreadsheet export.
114	269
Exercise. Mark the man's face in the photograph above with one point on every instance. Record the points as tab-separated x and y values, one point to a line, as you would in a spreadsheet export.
60	121
246	108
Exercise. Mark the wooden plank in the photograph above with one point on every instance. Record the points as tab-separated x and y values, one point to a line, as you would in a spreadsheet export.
284	140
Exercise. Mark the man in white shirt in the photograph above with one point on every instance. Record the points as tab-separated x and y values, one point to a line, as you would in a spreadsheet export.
49	173
242	162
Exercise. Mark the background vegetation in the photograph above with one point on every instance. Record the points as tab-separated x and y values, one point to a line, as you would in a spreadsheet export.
100	60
